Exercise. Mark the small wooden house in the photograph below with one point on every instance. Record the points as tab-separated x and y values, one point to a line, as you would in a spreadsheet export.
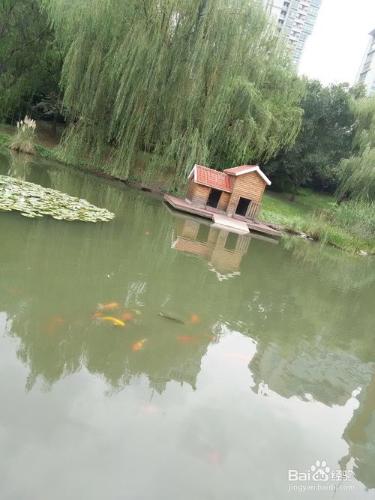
236	191
231	198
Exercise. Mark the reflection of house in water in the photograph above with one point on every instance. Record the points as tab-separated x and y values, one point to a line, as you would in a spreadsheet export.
223	250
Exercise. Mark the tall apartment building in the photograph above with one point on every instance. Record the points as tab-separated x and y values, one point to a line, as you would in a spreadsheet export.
367	71
295	19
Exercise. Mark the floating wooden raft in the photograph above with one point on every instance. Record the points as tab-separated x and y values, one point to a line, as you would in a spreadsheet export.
229	223
237	223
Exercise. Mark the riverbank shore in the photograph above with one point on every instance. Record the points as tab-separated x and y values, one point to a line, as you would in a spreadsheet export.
315	216
311	215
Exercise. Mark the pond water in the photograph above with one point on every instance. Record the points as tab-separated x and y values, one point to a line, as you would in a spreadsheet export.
269	368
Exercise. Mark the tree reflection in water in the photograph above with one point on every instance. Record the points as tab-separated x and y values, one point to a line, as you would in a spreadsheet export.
307	309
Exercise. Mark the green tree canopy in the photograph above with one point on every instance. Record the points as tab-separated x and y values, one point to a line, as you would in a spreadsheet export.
29	61
357	173
325	138
189	80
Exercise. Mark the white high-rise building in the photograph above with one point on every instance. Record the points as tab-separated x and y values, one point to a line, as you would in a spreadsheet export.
367	71
295	19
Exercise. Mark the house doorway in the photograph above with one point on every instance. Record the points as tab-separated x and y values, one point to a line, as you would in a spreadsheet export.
213	198
242	207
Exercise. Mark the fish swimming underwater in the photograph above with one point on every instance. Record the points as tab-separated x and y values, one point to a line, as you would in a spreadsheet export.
127	316
194	319
53	324
112	306
186	339
97	315
150	409
214	457
113	320
137	346
171	318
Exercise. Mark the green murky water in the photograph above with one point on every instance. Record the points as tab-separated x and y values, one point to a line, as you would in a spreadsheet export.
270	369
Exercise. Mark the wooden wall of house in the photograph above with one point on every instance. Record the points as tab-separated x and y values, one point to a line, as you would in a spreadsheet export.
222	259
250	186
187	239
188	229
224	200
193	247
198	194
190	189
225	260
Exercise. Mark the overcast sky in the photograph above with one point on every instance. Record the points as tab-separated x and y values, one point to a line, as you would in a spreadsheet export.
333	53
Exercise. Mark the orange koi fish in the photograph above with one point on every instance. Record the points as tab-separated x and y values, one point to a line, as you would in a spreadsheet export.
150	409
127	316
186	339
109	307
137	346
53	324
97	315
113	320
214	457
194	319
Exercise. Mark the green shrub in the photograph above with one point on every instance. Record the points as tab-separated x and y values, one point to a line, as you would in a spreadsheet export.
349	226
356	217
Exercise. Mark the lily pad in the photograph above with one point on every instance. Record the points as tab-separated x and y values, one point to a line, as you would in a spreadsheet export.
32	200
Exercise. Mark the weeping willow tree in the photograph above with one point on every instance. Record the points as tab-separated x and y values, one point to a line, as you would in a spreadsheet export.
189	81
357	174
29	60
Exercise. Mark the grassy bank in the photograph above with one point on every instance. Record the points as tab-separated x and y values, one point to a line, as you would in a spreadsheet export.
4	139
350	226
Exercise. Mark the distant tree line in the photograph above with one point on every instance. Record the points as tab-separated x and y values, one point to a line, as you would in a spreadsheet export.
326	137
30	62
183	81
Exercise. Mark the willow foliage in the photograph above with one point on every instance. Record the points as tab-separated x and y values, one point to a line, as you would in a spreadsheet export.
29	61
358	172
188	80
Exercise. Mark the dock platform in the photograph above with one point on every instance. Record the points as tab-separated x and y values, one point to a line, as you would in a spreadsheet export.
235	223
225	222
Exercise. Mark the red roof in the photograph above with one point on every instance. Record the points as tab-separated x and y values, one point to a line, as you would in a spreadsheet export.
240	170
224	180
247	169
212	178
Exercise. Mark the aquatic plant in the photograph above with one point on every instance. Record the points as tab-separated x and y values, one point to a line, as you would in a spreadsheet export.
24	140
19	165
33	200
